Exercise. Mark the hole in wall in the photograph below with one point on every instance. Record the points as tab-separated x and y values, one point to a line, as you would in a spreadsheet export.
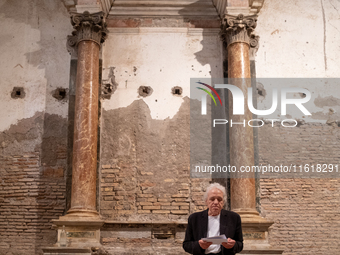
18	92
302	95
109	86
177	91
145	91
261	92
107	90
60	94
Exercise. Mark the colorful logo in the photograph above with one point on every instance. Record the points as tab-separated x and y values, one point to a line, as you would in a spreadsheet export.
204	98
212	89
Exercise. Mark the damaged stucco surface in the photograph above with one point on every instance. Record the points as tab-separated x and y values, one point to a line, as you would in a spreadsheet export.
301	43
34	56
33	155
33	127
152	155
293	45
146	57
145	140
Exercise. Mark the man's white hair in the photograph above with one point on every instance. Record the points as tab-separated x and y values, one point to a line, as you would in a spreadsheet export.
215	185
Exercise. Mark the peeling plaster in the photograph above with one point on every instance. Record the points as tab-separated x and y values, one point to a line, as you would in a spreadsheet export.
149	58
33	53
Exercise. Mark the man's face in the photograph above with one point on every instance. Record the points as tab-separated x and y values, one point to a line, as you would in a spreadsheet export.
215	201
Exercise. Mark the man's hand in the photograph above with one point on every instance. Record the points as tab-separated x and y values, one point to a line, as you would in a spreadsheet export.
230	244
204	244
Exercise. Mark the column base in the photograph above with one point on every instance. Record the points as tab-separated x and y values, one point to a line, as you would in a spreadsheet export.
81	214
246	211
66	251
255	233
259	249
82	229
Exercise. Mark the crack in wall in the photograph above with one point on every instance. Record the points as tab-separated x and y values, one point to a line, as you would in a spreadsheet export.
324	34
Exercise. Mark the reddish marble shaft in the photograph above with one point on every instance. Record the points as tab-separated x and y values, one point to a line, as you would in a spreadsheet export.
242	190
84	167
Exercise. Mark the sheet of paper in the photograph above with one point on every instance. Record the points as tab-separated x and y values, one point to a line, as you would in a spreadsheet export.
216	239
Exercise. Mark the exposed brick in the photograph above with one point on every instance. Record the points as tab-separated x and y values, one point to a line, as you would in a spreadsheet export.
160	211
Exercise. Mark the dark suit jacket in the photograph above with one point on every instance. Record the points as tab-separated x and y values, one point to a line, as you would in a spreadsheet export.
230	225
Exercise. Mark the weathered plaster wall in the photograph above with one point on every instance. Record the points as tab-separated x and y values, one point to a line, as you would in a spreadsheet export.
33	39
139	152
33	138
161	58
145	140
144	145
299	39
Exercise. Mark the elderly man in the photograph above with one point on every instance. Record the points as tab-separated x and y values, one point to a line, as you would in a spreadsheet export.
213	222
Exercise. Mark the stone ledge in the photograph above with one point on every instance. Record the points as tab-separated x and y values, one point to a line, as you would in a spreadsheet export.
260	252
257	249
65	250
114	222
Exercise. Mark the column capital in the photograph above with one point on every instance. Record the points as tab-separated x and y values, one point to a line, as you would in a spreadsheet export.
238	28
87	27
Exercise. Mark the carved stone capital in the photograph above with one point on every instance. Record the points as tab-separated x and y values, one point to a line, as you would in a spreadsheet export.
238	28
88	27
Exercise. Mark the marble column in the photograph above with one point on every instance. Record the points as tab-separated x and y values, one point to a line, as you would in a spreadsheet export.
236	31
89	33
82	222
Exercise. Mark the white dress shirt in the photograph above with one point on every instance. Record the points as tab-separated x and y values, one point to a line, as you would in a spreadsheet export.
213	230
